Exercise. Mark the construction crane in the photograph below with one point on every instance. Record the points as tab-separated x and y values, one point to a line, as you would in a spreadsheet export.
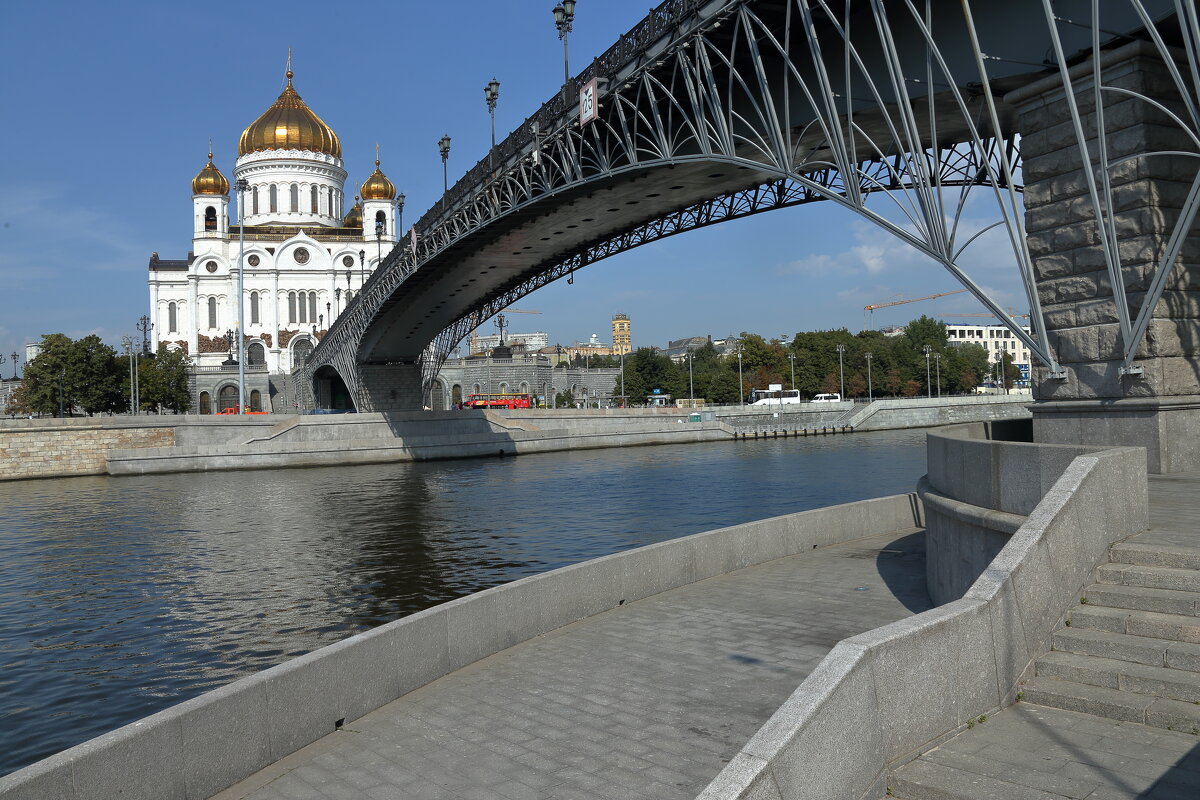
871	308
991	316
475	330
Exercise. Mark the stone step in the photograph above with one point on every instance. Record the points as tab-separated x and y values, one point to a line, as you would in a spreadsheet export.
1139	598
1156	555
1174	627
1100	701
1127	676
1120	646
924	780
1186	580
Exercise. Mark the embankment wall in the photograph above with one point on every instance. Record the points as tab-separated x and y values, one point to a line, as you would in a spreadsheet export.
52	448
195	749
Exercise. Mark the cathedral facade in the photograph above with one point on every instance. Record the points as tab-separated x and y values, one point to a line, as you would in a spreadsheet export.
304	257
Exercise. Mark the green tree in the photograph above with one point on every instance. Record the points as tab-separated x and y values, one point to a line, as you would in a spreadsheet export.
94	376
43	374
564	399
163	381
646	371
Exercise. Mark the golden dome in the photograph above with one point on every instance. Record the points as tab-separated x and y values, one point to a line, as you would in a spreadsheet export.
354	219
210	180
378	187
289	124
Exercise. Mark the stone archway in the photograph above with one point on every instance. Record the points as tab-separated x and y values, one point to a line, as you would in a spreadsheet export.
330	391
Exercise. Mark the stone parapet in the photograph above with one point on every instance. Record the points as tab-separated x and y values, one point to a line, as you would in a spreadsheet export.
62	447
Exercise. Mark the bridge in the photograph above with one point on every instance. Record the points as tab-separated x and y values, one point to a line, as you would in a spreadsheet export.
1077	122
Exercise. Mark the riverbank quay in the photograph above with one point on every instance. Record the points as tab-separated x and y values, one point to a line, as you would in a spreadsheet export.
138	446
213	741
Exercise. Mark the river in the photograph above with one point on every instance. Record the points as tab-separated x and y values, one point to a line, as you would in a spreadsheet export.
122	596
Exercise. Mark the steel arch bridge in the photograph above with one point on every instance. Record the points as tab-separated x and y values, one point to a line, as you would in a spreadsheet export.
721	109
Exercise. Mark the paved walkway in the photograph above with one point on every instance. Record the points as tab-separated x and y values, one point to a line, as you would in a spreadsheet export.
645	701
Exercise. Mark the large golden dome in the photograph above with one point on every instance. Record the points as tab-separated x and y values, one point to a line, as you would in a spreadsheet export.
289	124
210	180
378	187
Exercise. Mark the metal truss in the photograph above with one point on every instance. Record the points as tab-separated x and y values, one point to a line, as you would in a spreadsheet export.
838	101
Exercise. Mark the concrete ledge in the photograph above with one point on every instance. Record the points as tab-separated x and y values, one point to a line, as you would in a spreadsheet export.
883	697
197	748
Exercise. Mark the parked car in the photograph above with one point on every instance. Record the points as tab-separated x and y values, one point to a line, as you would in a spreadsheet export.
828	397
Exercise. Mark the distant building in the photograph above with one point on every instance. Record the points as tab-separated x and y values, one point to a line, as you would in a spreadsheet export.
678	349
532	374
592	347
622	334
996	339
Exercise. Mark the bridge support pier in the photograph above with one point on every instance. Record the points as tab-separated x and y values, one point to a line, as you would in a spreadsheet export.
390	387
1097	403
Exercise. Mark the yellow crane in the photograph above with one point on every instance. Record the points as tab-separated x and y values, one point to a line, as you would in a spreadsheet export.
475	330
871	308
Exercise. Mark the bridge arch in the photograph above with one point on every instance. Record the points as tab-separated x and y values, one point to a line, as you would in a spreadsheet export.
330	390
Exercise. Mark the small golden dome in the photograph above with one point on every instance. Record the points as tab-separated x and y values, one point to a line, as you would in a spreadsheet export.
354	219
378	187
210	180
289	124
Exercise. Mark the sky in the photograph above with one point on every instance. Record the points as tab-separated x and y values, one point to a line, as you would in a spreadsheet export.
107	109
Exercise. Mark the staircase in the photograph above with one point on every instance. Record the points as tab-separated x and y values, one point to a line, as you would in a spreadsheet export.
1131	648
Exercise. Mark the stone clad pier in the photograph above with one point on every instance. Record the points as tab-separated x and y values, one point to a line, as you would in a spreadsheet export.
647	700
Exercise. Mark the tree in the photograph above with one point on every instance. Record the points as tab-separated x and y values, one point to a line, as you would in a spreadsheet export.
163	381
94	376
43	375
831	384
564	399
857	385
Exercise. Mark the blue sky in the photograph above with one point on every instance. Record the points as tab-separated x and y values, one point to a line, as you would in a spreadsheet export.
107	111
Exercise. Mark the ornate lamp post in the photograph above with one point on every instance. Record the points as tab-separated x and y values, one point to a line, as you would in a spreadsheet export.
870	390
937	360
928	386
144	325
378	243
491	93
400	215
792	358
841	349
14	357
444	149
362	268
564	15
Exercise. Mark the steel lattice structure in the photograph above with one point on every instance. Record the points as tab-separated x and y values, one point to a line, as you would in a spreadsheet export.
895	102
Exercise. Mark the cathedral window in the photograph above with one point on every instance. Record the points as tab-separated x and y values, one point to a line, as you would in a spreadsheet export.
254	308
302	303
331	205
212	312
291	307
312	306
274	197
295	196
210	219
314	199
205	403
256	355
255	400
172	318
254	197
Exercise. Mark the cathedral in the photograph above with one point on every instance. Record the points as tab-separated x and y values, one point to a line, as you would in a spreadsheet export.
305	257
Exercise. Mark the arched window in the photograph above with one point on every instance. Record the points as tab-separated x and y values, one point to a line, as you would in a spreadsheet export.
254	199
227	398
254	308
210	219
212	312
503	387
314	198
205	403
524	387
478	389
172	318
292	307
300	352
456	394
312	306
256	354
302	306
255	400
332	207
380	217
295	193
274	197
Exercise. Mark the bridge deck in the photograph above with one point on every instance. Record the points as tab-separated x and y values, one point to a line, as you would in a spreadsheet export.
645	701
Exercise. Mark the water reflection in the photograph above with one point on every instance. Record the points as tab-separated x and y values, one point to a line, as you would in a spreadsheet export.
121	596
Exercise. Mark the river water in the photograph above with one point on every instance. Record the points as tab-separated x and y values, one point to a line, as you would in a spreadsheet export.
122	596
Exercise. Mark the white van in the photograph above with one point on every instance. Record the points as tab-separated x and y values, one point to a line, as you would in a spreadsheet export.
828	397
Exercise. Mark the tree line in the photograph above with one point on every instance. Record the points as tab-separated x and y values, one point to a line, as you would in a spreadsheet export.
87	376
897	366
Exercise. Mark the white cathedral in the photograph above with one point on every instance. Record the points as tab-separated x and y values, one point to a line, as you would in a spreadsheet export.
304	259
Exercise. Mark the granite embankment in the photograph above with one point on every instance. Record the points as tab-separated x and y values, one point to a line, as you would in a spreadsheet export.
125	446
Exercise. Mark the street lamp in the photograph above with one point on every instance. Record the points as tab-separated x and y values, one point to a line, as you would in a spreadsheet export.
624	399
741	385
691	385
144	325
841	348
378	242
362	267
491	93
14	356
792	358
870	391
937	360
444	149
400	215
928	387
564	14
241	186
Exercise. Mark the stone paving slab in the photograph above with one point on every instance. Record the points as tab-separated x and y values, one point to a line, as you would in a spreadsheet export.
649	700
1035	751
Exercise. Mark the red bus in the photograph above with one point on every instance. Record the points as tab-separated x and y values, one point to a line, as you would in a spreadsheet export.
498	401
